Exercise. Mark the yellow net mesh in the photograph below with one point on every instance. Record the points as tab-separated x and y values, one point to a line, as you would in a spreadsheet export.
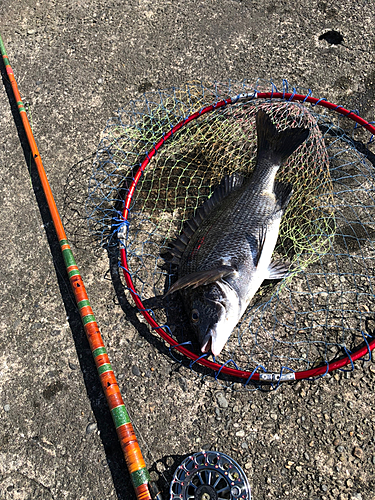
307	318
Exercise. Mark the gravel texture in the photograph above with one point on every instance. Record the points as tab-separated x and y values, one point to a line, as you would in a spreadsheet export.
75	63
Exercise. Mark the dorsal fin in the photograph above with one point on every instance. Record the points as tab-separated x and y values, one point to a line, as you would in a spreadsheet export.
228	184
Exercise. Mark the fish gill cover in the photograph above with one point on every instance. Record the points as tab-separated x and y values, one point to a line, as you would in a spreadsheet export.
318	313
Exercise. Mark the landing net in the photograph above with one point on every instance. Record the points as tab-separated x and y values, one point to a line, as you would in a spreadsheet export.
323	311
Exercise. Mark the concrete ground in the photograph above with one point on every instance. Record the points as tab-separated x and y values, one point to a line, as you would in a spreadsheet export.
75	63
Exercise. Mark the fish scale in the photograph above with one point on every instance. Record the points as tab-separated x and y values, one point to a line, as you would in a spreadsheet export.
219	237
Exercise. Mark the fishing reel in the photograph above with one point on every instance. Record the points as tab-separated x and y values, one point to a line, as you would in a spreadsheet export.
209	475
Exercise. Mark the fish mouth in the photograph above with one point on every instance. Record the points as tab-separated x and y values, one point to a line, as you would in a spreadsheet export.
213	343
218	330
207	343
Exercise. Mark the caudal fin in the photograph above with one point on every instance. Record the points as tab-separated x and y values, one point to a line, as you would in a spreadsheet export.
277	146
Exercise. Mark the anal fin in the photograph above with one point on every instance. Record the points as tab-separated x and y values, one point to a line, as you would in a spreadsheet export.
278	270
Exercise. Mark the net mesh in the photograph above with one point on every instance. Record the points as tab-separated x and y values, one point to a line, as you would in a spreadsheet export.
317	314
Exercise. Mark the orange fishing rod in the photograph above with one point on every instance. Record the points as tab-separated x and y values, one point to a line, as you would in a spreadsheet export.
137	468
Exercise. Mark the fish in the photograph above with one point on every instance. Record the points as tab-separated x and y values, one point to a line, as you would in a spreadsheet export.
224	252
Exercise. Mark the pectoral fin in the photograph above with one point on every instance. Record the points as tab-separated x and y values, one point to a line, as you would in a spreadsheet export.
200	278
277	270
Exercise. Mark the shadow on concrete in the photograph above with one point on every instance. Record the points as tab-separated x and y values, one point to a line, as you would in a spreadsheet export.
111	445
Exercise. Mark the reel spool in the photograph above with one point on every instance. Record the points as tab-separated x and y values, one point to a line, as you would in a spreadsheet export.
209	475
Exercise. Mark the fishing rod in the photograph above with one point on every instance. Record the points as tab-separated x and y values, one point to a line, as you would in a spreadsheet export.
205	475
133	456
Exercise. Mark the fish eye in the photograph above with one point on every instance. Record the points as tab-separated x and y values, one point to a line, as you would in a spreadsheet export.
195	315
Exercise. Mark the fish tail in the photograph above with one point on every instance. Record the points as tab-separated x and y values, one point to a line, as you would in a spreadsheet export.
277	146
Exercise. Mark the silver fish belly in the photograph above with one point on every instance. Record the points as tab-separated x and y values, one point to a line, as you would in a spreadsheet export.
224	253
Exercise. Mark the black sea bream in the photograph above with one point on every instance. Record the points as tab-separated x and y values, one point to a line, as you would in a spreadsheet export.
224	253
